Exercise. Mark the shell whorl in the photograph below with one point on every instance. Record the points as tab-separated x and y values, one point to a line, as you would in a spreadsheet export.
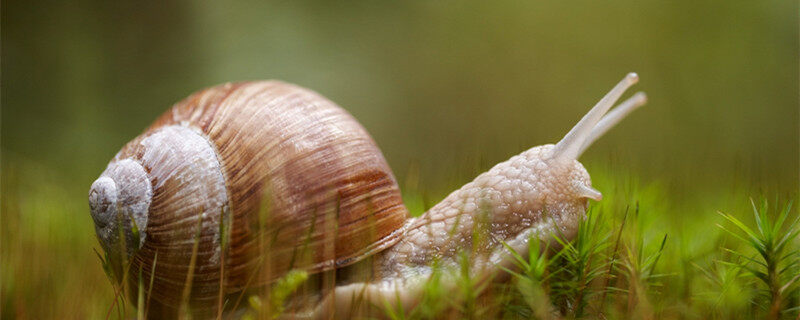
118	201
283	176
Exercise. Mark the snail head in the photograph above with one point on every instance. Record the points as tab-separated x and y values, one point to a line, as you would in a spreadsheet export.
567	175
548	179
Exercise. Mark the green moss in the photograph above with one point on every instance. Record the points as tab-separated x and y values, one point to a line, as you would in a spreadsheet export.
645	251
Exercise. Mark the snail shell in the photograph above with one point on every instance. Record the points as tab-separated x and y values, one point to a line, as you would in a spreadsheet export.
250	180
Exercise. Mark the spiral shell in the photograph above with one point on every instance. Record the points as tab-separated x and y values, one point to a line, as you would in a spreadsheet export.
247	180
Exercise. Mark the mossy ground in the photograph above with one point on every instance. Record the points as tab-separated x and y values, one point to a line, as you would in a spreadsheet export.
647	251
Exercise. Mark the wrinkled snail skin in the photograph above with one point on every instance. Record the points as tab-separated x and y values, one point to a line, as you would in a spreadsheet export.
541	192
525	192
195	185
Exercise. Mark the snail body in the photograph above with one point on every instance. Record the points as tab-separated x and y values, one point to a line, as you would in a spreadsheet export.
238	184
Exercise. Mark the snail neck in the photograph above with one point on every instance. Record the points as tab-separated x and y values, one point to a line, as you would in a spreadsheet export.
528	195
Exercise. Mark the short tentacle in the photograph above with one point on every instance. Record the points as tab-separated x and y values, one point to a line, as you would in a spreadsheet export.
590	193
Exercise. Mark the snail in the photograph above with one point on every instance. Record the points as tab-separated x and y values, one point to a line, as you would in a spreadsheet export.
239	184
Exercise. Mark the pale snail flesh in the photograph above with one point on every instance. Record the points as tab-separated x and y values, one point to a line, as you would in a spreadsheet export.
240	183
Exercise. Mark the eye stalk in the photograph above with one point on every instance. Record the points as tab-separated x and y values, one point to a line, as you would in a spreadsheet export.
593	125
119	201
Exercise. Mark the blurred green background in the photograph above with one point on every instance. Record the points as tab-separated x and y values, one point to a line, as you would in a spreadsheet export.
446	88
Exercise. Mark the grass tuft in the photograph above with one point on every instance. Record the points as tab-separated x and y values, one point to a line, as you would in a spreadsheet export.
643	252
774	267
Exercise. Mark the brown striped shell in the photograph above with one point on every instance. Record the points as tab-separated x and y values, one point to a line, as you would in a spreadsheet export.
262	177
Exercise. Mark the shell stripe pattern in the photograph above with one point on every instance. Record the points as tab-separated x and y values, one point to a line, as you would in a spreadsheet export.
306	188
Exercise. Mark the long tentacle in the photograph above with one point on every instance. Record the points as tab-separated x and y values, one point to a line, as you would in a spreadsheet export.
570	145
613	117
